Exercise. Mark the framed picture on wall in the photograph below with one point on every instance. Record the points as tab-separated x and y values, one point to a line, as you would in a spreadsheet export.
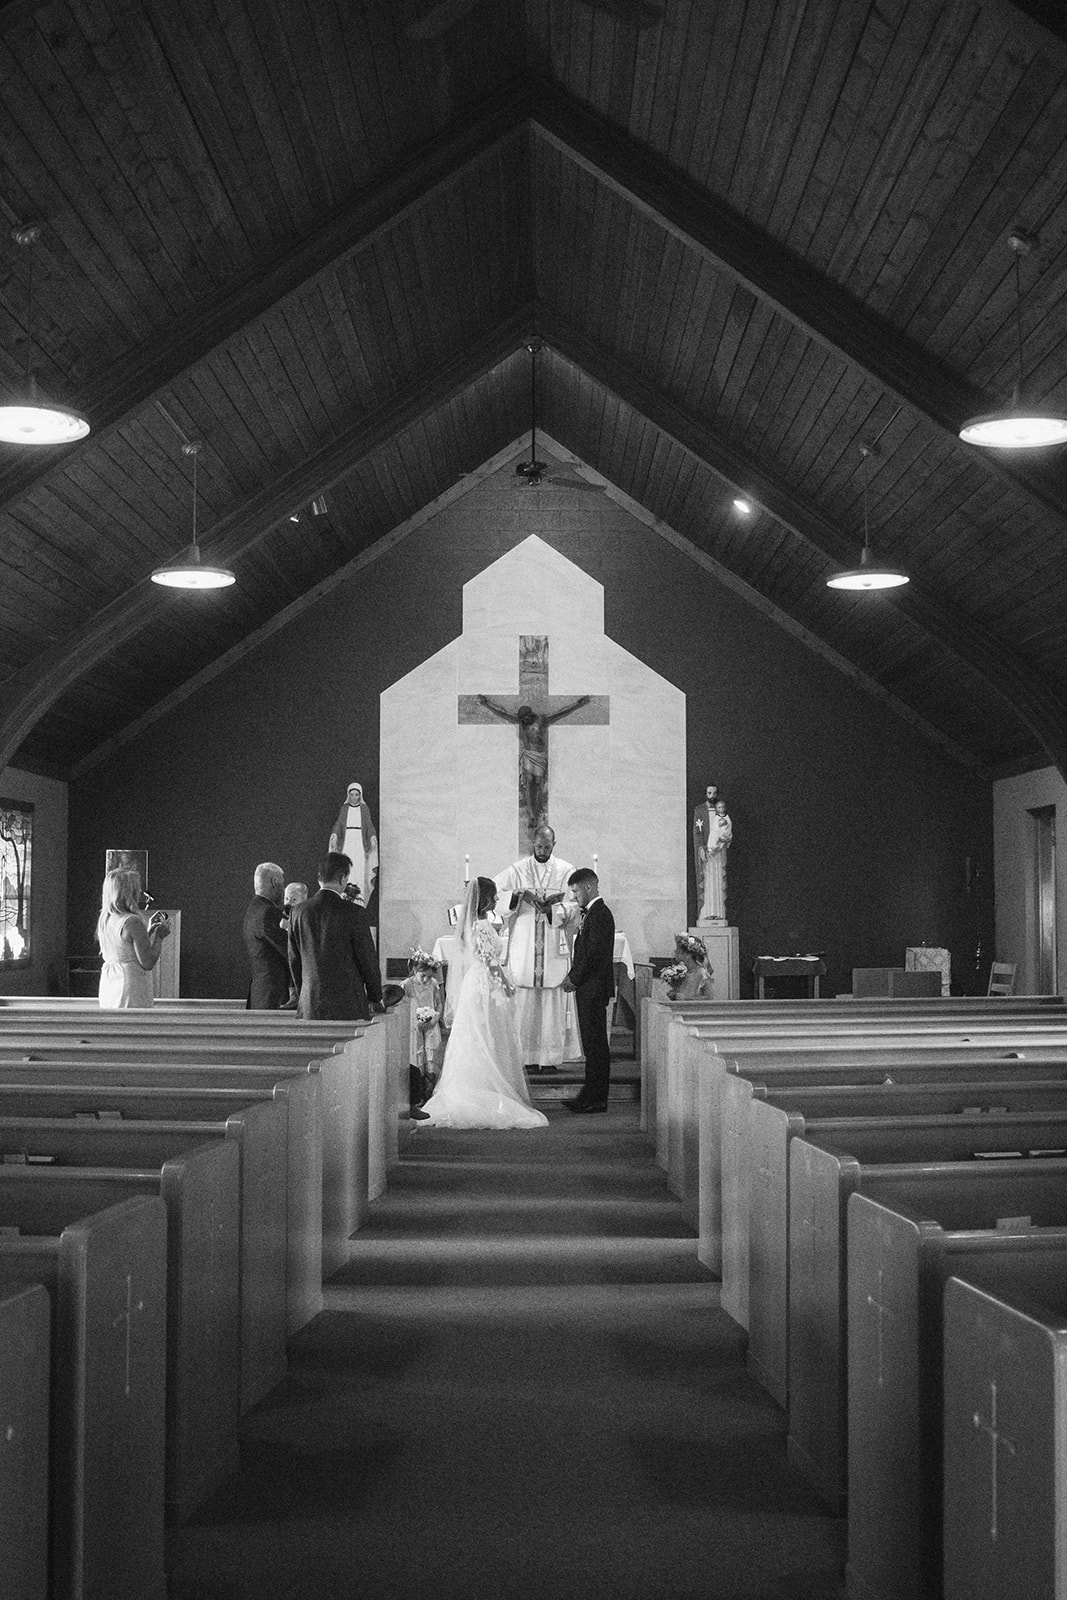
137	860
16	883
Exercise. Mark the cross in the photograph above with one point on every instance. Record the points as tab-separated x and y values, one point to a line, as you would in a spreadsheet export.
883	1312
995	1438
532	711
126	1317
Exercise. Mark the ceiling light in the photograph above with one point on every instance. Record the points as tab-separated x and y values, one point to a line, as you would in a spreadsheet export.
318	506
744	507
870	574
29	419
190	571
1019	426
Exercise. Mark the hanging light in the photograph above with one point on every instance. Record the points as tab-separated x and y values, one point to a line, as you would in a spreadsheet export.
31	420
190	571
1019	426
870	574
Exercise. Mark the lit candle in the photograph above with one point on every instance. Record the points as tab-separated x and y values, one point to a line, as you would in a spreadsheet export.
596	858
466	869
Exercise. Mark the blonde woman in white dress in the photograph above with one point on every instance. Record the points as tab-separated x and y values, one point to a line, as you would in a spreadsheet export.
482	1083
129	945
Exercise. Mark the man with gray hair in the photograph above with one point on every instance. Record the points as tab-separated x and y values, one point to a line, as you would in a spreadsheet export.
268	954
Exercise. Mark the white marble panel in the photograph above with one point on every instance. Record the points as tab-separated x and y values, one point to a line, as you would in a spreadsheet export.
533	589
616	791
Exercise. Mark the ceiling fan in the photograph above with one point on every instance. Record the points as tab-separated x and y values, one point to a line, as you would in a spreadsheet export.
534	473
437	19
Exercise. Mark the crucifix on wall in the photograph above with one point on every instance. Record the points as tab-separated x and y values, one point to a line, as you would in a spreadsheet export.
533	711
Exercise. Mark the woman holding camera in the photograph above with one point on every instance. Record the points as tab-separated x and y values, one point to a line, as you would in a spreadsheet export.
129	945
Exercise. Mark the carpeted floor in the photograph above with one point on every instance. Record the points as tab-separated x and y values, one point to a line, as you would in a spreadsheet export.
521	1386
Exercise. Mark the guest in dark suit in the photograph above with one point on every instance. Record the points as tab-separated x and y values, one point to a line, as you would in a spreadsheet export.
268	954
331	951
592	980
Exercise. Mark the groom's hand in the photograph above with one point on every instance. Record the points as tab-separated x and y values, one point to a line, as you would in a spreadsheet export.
567	986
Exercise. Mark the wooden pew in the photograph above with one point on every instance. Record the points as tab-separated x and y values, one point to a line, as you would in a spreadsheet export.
694	1053
725	1095
755	1156
385	1047
900	1253
821	1180
299	1093
1005	1459
199	1191
695	1016
356	1149
899	1136
25	1343
257	1135
106	1279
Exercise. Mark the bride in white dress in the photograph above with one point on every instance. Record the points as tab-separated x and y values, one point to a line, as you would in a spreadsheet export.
482	1083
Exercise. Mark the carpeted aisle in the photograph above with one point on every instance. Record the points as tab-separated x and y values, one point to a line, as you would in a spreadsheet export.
521	1386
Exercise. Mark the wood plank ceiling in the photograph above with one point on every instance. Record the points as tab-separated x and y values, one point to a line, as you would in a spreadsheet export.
313	234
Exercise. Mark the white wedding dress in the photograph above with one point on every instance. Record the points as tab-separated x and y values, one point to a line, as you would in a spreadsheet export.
482	1084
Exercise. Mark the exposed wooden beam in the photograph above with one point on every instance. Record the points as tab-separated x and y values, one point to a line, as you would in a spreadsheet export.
832	316
28	694
1041	707
134	381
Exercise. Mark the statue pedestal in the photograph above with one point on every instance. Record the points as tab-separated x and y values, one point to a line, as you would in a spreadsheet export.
721	945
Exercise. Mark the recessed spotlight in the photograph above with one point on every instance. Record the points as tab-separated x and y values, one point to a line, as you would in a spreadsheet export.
745	507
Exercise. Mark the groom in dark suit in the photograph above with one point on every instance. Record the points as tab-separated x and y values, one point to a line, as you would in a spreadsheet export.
331	950
592	980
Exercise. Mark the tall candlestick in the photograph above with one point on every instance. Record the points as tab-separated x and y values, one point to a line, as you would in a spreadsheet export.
466	869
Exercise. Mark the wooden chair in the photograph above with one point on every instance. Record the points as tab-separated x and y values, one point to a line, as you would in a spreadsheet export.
1002	977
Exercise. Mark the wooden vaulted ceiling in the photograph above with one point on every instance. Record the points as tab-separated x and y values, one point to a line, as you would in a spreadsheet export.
314	234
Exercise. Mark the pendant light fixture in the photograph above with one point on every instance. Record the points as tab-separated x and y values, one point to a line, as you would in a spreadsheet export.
190	571
870	574
1019	426
29	419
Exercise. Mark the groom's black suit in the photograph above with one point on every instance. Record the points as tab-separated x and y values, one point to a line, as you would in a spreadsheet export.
593	976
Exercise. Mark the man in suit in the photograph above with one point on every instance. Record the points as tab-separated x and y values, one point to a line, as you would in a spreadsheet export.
331	951
268	955
592	980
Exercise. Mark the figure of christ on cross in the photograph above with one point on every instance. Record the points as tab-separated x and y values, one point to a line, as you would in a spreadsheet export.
533	711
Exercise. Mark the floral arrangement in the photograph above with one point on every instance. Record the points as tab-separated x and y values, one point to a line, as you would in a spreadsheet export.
692	946
674	974
425	1016
421	961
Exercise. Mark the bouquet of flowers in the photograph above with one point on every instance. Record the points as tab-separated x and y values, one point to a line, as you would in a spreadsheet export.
425	1016
673	976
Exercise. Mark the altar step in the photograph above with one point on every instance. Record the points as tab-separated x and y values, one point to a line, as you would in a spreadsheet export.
561	1083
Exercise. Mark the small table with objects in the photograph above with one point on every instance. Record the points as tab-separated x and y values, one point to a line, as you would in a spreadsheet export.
811	968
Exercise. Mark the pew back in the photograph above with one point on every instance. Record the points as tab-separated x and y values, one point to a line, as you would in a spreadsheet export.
301	1094
106	1278
898	1260
25	1340
821	1179
1005	1441
200	1192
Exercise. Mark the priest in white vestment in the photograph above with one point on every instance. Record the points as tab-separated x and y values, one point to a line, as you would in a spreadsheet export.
540	917
354	836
